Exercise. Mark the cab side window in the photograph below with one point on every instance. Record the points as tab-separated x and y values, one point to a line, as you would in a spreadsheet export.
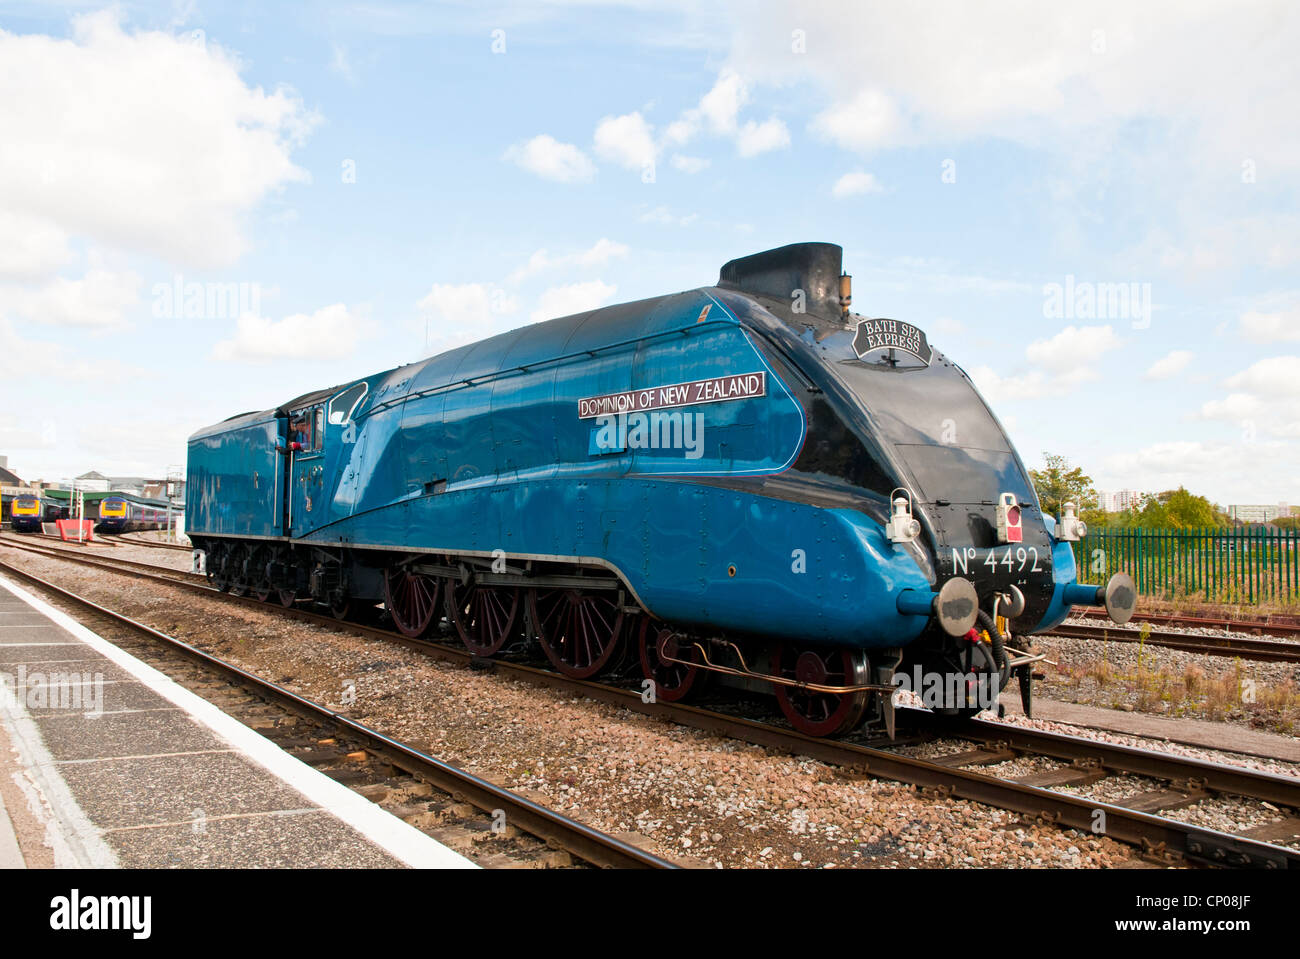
300	431
318	428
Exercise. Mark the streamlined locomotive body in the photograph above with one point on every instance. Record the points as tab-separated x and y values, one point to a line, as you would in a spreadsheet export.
743	482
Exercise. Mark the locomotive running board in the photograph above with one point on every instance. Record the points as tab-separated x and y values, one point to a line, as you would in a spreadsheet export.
544	581
746	673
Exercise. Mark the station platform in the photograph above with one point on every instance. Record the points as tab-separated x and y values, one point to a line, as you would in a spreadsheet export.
105	762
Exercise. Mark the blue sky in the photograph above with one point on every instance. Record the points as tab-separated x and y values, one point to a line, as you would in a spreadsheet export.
388	180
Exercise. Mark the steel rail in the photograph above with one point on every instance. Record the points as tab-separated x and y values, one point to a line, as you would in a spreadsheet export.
1261	650
124	538
105	561
1261	627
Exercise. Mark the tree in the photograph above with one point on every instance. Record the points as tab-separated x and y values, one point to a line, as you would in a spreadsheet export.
1187	510
1171	509
1058	483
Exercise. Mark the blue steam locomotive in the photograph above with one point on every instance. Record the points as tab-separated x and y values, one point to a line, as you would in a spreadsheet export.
745	483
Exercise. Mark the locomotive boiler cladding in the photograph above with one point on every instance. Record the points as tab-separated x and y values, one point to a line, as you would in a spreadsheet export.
745	484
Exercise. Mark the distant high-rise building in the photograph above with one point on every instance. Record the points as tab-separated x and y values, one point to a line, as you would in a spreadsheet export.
1256	513
1118	501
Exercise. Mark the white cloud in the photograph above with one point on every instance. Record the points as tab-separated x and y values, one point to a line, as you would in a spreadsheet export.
22	433
143	141
866	122
1265	398
332	332
573	298
939	72
550	159
600	253
689	164
95	301
341	64
1271	327
459	314
1275	376
1073	348
718	113
998	389
721	105
1161	464
1033	385
627	140
1169	365
755	138
855	183
665	217
1060	365
22	358
31	247
1244	471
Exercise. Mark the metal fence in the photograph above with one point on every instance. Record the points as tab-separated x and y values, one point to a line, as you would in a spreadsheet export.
1248	565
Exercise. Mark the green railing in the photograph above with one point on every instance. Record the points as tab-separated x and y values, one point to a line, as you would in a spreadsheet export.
1249	565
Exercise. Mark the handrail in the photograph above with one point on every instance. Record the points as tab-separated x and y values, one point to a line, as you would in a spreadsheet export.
530	367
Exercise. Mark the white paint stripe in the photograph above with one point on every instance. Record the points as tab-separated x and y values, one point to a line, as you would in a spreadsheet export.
135	757
268	814
72	714
400	840
69	834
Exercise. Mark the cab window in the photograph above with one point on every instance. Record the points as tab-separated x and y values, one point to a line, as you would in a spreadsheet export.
300	430
345	404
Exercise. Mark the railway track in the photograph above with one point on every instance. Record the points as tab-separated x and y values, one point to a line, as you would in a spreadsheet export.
1259	627
107	561
1262	650
131	540
360	757
1178	782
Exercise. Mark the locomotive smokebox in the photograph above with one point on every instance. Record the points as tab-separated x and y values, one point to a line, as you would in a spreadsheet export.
805	276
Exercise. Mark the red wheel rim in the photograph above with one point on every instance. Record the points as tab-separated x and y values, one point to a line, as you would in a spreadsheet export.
579	632
673	681
286	597
412	601
821	714
485	617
